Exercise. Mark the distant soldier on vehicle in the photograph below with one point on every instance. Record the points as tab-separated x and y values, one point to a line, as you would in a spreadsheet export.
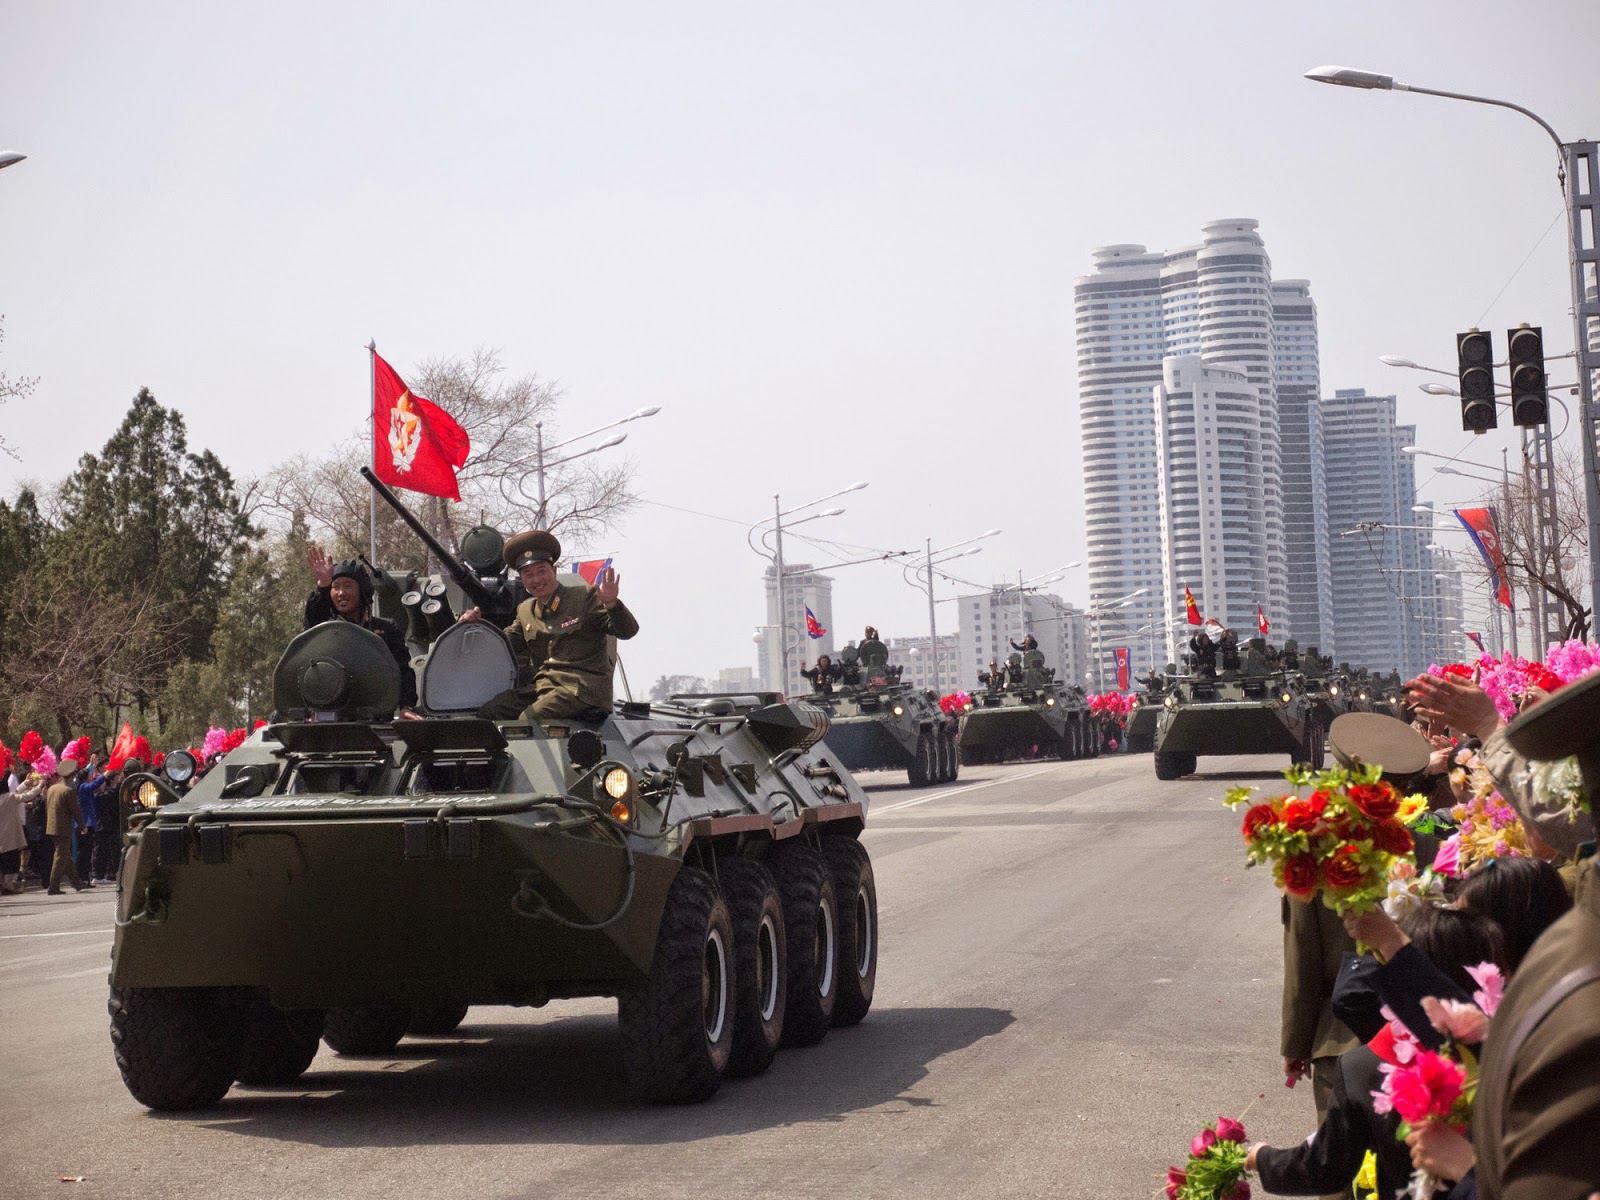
344	593
822	676
873	652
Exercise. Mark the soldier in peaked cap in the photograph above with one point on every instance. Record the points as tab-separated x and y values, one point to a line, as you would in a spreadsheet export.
1536	1120
559	635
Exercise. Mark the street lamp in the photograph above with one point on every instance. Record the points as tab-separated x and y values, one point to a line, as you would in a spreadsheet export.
542	464
925	573
10	160
1097	611
1579	176
776	520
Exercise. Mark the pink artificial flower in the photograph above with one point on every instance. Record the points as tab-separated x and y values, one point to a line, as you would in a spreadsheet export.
1429	1087
1175	1180
1492	985
1229	1130
1457	1021
1202	1142
1448	860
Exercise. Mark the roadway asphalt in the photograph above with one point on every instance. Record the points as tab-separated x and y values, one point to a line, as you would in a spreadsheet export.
1076	972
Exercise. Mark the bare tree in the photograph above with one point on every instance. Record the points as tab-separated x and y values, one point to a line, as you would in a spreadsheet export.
497	483
19	388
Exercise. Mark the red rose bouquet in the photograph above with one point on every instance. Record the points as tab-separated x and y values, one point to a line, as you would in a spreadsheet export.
1215	1170
1341	837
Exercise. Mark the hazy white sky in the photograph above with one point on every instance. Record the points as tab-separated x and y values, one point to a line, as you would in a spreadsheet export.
833	241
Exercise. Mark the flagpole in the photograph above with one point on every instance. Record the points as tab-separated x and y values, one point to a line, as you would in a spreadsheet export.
372	496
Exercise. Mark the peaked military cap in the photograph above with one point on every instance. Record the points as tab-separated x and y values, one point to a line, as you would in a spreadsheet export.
1378	741
534	545
1567	723
67	768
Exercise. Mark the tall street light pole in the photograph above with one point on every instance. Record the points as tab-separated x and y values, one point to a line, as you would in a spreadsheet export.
927	569
1579	177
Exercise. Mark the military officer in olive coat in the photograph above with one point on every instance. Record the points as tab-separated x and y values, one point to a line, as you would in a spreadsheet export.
1536	1119
560	636
63	816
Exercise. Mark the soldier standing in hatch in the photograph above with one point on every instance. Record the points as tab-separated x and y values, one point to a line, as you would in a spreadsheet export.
873	650
559	636
344	593
822	675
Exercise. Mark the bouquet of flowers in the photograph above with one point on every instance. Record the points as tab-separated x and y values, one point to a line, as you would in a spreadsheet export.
1343	837
1410	888
1116	704
1489	828
1427	1085
1215	1170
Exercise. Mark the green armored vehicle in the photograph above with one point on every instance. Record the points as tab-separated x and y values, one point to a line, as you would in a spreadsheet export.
349	877
1140	731
1022	711
1254	709
878	723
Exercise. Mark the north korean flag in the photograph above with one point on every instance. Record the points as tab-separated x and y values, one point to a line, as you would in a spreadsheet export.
813	629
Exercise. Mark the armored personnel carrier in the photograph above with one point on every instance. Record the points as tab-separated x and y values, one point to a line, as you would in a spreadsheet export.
1027	712
1140	731
349	877
1327	690
1252	710
878	723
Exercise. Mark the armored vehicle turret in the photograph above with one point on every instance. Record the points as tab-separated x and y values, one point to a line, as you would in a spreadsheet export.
879	723
347	876
1140	731
1252	710
1023	711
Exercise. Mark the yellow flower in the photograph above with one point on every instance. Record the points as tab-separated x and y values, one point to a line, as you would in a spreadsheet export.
1411	808
1367	1177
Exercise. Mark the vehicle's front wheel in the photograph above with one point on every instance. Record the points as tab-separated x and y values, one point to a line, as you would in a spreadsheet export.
375	1030
677	1026
952	736
437	1020
1168	766
759	976
921	771
279	1045
178	1048
857	893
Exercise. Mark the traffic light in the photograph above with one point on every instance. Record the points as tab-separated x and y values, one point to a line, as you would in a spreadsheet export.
1530	404
1475	365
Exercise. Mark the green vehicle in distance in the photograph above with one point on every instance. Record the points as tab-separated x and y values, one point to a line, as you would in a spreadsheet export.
1327	689
348	878
1252	710
878	723
1140	731
1026	713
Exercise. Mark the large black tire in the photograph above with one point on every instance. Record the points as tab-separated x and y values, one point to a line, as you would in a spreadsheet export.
952	735
279	1045
436	1021
677	1026
811	929
365	1030
760	978
1188	763
178	1048
944	743
921	771
857	890
1168	765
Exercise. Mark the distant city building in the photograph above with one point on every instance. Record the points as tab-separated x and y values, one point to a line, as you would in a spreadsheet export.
1447	628
1382	595
1217	302
802	588
736	679
912	654
992	621
1295	358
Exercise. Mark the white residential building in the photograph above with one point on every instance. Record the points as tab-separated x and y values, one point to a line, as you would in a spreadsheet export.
1216	301
911	653
802	588
993	622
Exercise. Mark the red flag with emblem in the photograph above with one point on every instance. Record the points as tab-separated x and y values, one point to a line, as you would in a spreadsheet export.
1191	606
1123	657
1261	621
415	444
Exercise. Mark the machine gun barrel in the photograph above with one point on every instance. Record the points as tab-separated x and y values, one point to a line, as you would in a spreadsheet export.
465	579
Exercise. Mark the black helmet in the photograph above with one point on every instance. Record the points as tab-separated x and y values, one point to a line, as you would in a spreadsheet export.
352	569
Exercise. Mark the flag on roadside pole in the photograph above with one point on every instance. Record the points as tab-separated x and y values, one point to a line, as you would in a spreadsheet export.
1477	640
591	569
1193	608
1485	534
1123	658
813	629
415	444
1261	621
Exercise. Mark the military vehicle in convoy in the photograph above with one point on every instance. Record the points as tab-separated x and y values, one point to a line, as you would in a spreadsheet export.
1140	731
878	723
347	877
1024	712
1327	690
1255	709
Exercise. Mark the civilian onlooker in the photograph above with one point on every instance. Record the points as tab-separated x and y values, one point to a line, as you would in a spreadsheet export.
12	842
40	847
89	784
108	828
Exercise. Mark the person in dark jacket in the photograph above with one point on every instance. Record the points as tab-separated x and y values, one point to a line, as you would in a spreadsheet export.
344	593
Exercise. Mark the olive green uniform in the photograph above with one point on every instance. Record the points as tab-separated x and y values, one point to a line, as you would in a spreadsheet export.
62	815
1314	942
564	657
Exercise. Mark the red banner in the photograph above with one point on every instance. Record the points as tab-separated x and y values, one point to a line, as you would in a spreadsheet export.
590	570
1124	667
1261	621
415	443
1193	608
1480	526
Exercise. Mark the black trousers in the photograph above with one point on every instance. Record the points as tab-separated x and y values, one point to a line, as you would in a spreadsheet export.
83	854
107	849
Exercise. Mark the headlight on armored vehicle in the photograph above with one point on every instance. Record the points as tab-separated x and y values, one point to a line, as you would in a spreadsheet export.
148	795
180	767
1333	689
899	710
1286	697
1171	701
1050	701
617	783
